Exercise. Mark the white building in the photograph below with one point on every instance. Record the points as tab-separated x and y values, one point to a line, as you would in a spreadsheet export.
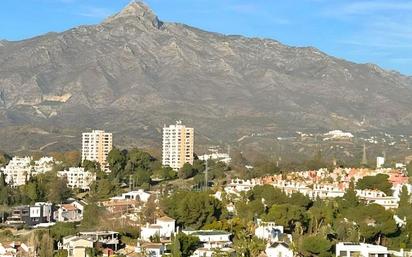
178	143
279	249
77	177
338	134
360	249
18	171
96	146
21	169
164	227
268	231
150	249
237	186
380	161
378	197
139	195
213	241
43	165
216	156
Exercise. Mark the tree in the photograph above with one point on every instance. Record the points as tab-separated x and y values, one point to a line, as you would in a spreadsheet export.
378	182
150	209
58	191
192	209
315	245
350	198
117	161
286	215
184	245
4	191
60	230
248	245
405	208
46	246
92	216
187	171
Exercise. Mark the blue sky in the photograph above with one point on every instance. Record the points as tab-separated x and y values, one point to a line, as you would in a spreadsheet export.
364	31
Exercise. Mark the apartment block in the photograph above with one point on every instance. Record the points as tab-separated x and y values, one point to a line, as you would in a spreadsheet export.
96	146
78	178
178	141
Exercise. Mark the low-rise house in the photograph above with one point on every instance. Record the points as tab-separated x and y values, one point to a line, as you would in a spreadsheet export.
150	249
212	240
31	215
378	197
69	212
76	246
13	249
279	249
268	231
77	177
236	186
164	227
360	249
139	195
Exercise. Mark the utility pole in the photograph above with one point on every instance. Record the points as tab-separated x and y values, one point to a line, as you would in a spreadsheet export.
131	183
206	173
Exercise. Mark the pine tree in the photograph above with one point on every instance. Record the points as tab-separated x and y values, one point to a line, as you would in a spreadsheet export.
404	209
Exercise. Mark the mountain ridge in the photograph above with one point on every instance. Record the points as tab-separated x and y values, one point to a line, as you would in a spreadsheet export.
133	68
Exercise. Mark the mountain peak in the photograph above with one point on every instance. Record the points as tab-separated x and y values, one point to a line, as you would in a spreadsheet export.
137	10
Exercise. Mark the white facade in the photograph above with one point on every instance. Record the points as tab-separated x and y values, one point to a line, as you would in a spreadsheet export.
139	195
268	231
21	169
178	142
380	161
43	165
279	250
18	171
164	227
77	177
96	146
220	157
363	250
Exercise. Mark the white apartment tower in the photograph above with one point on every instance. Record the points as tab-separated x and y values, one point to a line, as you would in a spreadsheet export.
178	143
96	146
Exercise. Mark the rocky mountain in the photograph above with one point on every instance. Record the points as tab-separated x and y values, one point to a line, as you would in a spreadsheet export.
133	73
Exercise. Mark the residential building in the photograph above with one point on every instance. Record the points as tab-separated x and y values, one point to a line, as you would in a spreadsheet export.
270	232
360	249
96	146
43	165
150	249
69	212
18	171
76	246
21	169
31	215
178	143
380	161
77	177
164	227
279	249
139	195
213	241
